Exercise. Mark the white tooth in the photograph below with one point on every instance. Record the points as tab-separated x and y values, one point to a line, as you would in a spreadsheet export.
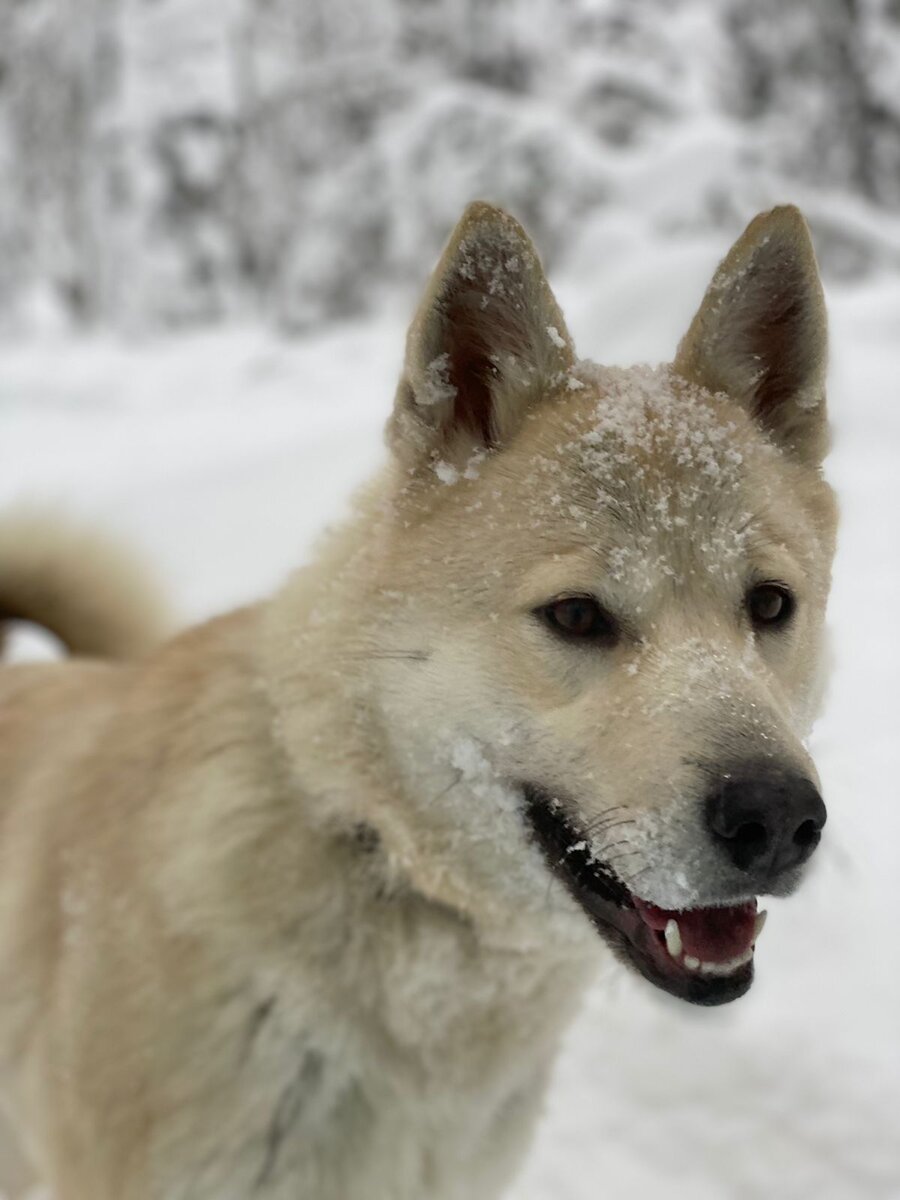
760	922
673	938
726	968
691	963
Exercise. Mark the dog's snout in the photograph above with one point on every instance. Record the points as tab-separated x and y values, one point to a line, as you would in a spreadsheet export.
766	820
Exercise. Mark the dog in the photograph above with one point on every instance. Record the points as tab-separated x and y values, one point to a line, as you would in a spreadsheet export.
299	902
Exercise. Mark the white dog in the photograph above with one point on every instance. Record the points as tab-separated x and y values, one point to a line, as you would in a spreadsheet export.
298	904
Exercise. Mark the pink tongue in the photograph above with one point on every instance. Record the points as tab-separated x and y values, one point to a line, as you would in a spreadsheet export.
710	934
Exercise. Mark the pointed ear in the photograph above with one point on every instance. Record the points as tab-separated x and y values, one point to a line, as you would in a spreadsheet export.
760	333
487	341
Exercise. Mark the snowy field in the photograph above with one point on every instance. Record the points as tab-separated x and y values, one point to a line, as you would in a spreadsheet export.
198	447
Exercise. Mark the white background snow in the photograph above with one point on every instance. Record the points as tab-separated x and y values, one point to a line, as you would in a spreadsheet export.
224	449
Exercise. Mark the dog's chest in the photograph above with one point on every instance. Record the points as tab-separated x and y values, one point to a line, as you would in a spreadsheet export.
335	1103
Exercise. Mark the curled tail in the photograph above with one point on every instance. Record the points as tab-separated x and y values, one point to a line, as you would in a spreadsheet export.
86	590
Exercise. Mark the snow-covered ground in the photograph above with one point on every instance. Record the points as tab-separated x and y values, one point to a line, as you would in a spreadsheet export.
198	447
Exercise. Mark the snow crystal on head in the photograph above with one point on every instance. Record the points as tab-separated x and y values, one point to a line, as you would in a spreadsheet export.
651	448
446	472
495	259
436	387
645	406
469	759
449	474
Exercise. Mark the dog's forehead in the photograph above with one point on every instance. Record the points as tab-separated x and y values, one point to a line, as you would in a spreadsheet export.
647	428
653	472
643	444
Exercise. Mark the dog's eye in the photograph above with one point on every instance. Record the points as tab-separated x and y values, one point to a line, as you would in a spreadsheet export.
580	618
770	605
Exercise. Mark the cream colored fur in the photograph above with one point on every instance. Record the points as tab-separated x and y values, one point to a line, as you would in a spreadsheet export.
271	923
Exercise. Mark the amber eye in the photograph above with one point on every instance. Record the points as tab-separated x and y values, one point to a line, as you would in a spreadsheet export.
770	605
580	618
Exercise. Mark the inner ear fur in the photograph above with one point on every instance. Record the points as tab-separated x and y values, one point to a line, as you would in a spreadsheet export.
487	341
760	334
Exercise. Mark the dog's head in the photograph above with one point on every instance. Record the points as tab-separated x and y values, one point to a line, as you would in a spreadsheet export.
604	594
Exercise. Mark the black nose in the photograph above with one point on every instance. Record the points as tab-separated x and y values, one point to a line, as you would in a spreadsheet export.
766	820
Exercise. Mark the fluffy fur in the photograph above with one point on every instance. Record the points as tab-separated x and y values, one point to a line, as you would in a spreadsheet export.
271	921
91	593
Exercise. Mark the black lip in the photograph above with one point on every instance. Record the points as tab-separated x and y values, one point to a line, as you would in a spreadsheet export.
608	903
566	850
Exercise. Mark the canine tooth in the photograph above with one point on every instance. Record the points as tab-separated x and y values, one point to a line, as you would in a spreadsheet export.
760	922
691	963
673	938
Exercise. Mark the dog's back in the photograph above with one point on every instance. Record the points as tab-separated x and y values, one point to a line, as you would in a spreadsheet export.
87	747
96	600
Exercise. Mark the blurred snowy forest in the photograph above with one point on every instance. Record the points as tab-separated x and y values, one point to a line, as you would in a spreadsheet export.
172	162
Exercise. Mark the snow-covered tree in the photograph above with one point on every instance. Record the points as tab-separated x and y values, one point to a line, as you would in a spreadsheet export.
167	161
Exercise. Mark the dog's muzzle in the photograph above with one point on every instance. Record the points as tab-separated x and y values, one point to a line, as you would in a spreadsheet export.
702	955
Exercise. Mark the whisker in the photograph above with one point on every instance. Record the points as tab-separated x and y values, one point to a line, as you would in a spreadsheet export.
604	850
746	525
618	857
600	827
636	875
399	655
612	808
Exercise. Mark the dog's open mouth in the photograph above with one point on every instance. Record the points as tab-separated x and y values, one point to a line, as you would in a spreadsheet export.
703	955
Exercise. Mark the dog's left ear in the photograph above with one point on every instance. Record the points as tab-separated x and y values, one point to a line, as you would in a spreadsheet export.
760	333
487	342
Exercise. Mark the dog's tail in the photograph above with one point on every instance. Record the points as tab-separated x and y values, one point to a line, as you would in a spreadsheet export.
86	590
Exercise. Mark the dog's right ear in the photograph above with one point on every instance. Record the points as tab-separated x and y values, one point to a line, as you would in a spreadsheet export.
487	343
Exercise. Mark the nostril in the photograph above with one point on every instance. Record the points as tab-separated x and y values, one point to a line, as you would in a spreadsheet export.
806	834
748	843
